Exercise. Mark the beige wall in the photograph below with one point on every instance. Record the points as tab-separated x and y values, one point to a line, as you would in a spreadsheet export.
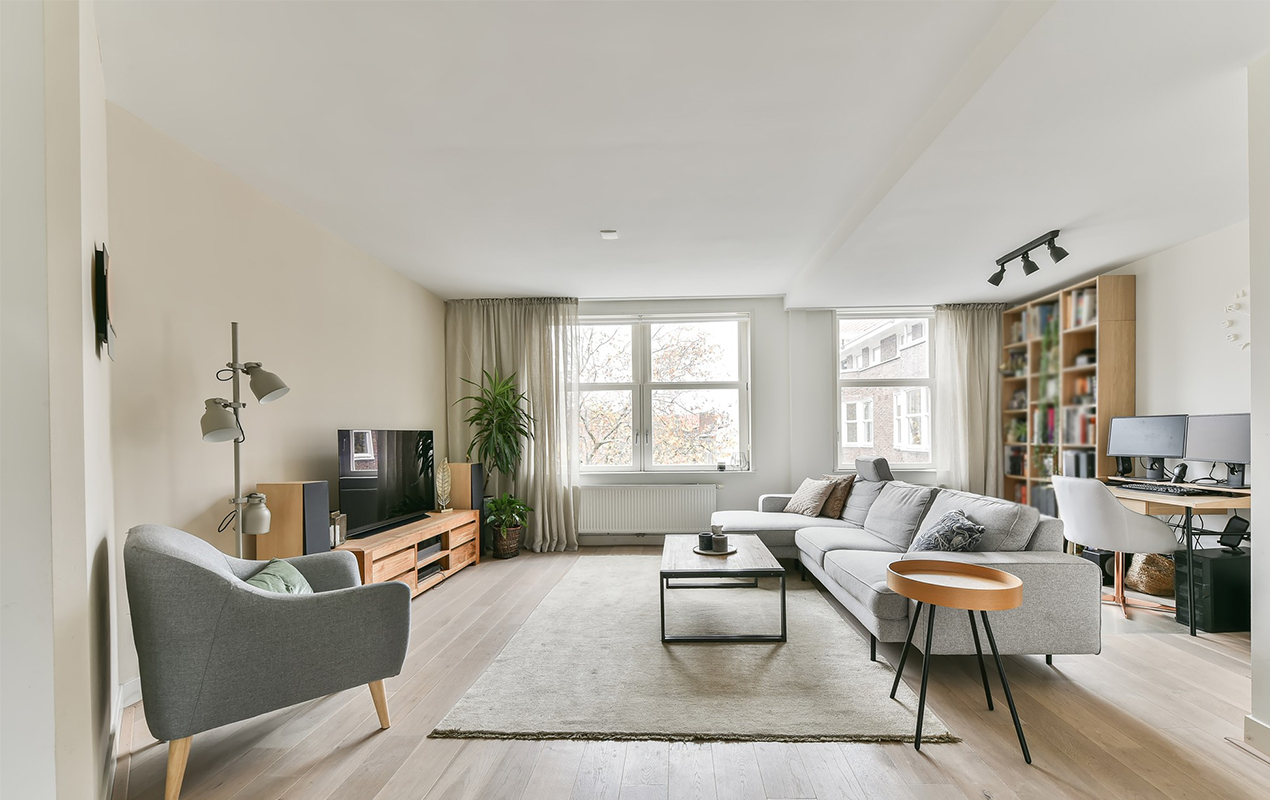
59	657
1257	725
194	248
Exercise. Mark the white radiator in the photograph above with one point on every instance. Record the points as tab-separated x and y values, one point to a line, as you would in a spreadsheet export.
682	508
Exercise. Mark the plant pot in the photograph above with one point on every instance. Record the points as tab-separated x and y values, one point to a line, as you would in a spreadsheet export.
507	542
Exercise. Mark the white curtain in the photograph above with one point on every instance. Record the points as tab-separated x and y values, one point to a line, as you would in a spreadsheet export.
535	338
968	437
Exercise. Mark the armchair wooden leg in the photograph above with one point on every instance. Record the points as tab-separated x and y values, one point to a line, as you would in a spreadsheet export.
178	756
381	702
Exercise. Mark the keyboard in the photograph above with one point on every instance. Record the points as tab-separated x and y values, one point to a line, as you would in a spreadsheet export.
1162	488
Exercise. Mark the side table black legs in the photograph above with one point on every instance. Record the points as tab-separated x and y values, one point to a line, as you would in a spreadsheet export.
921	702
1018	727
983	669
899	671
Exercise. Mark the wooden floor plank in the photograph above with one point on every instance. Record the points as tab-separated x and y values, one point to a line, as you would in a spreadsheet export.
600	771
555	771
691	772
782	769
647	764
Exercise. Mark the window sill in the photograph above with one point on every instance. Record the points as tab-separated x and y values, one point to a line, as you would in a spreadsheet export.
668	472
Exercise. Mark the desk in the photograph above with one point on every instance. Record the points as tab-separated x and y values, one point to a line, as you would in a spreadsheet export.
1155	504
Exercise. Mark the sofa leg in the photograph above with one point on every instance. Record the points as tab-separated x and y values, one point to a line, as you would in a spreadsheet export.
873	647
1049	659
178	757
381	702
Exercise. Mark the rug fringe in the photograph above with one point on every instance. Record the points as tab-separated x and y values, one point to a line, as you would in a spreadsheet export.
613	736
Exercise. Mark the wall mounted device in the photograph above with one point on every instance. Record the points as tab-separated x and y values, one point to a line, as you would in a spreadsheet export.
1152	438
1024	254
1221	438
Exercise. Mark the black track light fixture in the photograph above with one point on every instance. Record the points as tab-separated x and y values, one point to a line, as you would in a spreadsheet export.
1024	254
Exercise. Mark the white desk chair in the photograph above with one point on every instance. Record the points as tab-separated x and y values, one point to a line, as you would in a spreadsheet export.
1093	517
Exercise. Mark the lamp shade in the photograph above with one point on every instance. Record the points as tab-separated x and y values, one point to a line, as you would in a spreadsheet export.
219	424
256	515
1057	253
266	386
1029	266
995	278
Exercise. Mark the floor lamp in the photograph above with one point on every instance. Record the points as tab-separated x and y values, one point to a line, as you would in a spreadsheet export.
221	423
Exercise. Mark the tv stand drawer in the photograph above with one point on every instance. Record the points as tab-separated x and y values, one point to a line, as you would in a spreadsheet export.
456	537
390	566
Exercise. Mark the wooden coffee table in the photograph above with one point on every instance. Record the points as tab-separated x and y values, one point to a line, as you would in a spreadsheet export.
971	588
742	569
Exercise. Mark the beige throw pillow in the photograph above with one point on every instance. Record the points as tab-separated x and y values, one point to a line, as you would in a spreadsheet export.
837	499
810	497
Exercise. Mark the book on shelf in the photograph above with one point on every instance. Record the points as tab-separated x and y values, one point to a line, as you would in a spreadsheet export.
1018	329
1042	499
1015	460
1043	424
1082	308
1080	463
1080	426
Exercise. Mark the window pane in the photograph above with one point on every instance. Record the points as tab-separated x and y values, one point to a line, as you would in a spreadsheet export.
883	348
695	352
696	427
605	429
893	433
605	354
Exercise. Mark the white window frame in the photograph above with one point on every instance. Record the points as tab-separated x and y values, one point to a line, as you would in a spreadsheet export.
861	418
363	455
902	416
642	388
868	382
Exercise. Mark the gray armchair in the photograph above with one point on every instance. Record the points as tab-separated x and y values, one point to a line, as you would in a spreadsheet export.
214	649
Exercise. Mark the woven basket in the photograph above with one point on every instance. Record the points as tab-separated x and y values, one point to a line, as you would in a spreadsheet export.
507	542
1150	573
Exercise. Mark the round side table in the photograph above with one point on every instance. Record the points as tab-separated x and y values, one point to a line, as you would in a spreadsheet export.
953	584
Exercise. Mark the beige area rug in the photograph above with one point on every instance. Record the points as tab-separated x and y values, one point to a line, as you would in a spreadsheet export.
589	664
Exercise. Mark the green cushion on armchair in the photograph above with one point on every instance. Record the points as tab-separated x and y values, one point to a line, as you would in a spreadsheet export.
279	576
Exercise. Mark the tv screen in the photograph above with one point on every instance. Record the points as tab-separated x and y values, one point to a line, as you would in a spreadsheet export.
386	478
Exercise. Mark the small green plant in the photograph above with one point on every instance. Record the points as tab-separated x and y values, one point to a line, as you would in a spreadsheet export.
499	421
507	512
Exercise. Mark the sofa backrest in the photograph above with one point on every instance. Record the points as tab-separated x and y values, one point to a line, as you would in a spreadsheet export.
871	475
1008	526
897	514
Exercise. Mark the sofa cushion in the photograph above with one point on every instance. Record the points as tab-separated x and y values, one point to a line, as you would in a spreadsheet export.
810	497
954	532
873	469
815	542
837	499
862	574
860	500
1007	526
757	521
898	511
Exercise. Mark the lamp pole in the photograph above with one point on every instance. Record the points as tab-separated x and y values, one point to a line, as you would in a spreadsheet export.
238	500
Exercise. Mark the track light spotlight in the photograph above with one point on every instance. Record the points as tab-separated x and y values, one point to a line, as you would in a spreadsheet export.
1029	266
997	276
1057	253
1024	253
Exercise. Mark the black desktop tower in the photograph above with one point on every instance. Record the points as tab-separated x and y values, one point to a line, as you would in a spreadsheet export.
1223	590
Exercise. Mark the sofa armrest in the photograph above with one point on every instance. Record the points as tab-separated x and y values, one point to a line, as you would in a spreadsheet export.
336	569
1061	610
773	502
1048	536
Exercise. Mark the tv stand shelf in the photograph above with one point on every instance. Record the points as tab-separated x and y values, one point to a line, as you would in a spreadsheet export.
394	554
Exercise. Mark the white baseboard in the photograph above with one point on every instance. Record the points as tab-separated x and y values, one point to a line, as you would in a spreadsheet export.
1257	734
620	539
129	693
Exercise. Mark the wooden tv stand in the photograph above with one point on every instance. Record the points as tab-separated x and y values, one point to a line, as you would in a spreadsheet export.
399	554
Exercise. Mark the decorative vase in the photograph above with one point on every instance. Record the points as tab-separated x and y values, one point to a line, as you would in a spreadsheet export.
507	542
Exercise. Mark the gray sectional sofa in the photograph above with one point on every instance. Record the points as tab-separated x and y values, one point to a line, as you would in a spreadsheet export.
849	556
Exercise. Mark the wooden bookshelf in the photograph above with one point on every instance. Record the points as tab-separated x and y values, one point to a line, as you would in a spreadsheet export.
1068	366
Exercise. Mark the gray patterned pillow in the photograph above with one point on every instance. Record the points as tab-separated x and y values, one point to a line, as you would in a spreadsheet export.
810	497
953	533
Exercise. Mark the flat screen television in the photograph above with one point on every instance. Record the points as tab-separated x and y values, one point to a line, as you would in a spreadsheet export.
386	478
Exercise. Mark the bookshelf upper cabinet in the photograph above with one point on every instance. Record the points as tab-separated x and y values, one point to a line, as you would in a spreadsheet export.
1068	366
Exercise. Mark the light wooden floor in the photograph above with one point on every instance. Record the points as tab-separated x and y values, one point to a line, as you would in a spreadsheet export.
1150	717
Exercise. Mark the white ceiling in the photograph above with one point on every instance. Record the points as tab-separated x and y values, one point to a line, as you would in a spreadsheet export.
841	154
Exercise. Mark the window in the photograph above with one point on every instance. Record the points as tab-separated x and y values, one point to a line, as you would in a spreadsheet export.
884	388
857	423
664	393
364	452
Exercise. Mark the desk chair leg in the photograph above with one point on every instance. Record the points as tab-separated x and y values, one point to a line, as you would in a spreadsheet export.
178	757
983	669
1009	698
381	702
921	701
899	671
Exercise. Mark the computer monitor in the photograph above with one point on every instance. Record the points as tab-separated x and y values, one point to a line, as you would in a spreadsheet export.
1153	438
1221	438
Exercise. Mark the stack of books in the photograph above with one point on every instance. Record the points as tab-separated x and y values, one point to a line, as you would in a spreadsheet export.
1082	309
1080	426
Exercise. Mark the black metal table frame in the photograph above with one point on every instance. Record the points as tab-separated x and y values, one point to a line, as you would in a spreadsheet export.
752	574
983	670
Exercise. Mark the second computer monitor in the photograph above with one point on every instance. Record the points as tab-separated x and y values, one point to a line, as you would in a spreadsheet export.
1153	438
1221	438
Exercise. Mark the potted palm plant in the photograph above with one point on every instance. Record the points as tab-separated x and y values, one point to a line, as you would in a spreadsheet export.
500	425
507	515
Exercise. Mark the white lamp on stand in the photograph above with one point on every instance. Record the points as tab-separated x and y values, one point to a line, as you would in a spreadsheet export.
221	423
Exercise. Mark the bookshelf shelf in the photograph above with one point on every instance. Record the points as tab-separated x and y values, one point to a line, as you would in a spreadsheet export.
1057	399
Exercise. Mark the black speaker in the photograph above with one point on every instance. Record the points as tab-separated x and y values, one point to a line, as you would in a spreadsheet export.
1106	561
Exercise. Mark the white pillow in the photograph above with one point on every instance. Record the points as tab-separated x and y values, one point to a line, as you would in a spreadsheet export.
810	497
